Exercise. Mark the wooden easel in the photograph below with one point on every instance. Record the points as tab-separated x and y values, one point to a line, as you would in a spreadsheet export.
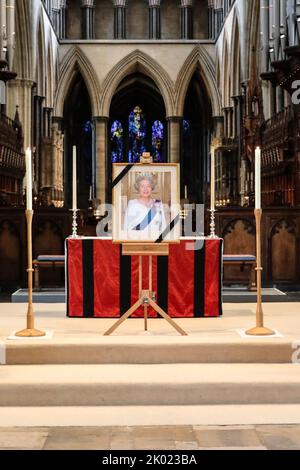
145	296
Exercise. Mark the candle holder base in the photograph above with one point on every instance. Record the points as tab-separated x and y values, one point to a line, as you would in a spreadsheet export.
74	224
30	333
212	225
260	331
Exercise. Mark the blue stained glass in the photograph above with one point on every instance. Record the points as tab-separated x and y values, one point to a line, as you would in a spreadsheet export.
116	138
137	134
157	140
86	150
186	126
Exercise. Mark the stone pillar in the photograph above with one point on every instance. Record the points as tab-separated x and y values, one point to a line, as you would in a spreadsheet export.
47	122
19	93
154	19
88	8
2	28
119	19
62	19
100	126
211	20
186	19
174	138
37	136
56	15
264	33
10	31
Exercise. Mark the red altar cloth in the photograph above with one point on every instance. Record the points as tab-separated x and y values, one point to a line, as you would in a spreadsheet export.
101	282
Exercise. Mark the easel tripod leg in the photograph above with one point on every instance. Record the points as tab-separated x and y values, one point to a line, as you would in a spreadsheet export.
123	317
166	317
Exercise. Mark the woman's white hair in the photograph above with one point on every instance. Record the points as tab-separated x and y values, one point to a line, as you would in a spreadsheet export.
142	177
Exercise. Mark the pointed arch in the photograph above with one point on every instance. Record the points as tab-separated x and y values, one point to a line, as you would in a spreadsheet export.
198	58
137	61
76	60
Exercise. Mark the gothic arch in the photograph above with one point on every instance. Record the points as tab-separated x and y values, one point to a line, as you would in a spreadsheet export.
75	59
197	58
137	61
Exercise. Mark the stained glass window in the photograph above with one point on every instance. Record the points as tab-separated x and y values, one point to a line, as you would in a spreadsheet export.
116	139
86	150
157	140
137	134
186	126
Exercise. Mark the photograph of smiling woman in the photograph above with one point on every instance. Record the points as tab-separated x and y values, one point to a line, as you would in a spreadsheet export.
145	213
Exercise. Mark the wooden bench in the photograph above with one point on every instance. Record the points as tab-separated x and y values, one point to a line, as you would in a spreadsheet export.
243	261
46	261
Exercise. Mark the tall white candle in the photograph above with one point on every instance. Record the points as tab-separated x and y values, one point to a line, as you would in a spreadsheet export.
257	178
28	162
185	192
74	184
212	179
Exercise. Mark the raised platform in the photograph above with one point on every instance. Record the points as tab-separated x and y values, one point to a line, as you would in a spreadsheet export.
230	295
215	366
42	295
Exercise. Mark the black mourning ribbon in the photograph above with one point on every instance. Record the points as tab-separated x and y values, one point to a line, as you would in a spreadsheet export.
168	229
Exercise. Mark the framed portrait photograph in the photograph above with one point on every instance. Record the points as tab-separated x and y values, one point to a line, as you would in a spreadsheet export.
146	202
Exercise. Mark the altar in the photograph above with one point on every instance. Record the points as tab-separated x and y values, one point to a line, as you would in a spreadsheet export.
103	283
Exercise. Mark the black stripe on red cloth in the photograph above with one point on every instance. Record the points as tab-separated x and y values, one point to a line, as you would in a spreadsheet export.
221	278
162	281
199	281
125	282
67	278
88	278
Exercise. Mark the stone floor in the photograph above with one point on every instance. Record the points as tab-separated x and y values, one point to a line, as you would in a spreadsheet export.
152	438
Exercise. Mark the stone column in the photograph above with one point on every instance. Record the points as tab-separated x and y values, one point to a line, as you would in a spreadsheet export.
62	19
186	19
10	31
119	19
264	33
2	27
174	138
100	126
56	15
19	94
88	8
154	19
211	19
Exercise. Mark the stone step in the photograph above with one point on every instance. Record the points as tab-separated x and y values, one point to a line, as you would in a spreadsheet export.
178	415
160	384
146	350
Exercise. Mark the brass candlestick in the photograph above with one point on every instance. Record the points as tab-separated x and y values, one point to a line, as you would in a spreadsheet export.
260	329
30	331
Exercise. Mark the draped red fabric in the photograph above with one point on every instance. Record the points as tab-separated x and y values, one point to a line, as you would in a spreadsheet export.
181	281
135	283
106	279
212	278
75	278
100	280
